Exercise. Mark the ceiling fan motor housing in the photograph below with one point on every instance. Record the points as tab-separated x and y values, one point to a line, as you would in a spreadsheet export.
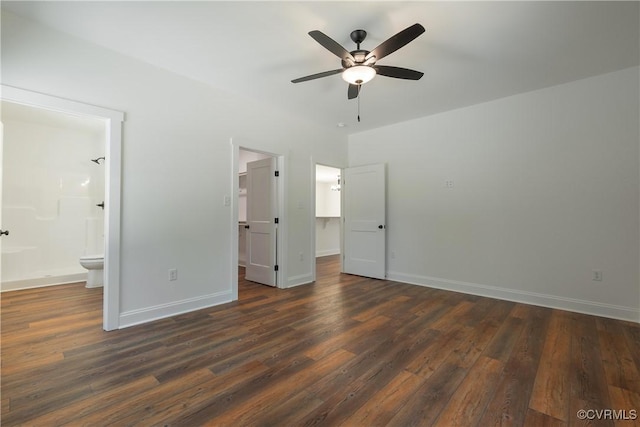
358	55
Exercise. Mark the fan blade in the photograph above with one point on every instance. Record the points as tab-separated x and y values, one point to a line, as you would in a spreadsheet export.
317	76
396	42
353	91
398	73
331	45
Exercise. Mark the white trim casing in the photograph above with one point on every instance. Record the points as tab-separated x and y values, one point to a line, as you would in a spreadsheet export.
234	192
282	246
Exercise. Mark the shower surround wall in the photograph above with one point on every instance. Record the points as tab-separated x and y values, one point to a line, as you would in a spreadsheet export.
50	192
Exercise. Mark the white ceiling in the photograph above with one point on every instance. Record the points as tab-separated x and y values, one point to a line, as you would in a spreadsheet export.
472	52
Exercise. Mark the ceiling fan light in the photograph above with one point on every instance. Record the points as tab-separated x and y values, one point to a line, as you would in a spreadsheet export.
358	74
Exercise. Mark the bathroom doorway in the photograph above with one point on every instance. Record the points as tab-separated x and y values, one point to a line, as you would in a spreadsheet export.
51	192
39	228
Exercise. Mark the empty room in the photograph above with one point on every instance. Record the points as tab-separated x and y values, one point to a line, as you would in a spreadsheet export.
170	256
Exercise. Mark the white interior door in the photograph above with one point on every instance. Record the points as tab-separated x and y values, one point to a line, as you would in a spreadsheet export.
1	174
365	221
261	219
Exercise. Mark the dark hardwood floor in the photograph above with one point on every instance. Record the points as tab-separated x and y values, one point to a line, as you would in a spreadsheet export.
344	351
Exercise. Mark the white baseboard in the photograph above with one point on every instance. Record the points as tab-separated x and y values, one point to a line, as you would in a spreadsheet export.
328	252
533	298
302	279
149	314
40	282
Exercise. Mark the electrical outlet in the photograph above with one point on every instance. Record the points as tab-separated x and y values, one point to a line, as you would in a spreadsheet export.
173	274
301	256
393	254
596	275
448	183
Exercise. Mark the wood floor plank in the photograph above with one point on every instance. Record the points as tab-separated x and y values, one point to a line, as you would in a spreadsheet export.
467	405
217	404
346	350
424	406
142	405
337	341
391	357
626	403
440	348
632	334
290	412
619	365
589	389
171	406
502	343
383	405
537	419
510	403
96	403
551	392
283	391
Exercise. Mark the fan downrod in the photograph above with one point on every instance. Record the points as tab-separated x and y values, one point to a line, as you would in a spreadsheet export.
358	37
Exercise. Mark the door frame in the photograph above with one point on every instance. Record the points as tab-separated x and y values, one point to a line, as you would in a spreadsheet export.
113	152
281	240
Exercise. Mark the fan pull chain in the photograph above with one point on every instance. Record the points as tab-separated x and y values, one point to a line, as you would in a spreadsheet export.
358	104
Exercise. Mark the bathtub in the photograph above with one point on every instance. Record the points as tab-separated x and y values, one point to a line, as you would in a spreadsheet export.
18	270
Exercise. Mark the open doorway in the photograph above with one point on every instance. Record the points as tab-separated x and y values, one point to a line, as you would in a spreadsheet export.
112	126
258	195
52	196
328	213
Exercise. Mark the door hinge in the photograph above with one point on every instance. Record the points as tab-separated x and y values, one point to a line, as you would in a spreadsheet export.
275	267
276	220
277	173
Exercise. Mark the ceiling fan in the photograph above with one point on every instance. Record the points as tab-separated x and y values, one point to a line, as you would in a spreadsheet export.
359	66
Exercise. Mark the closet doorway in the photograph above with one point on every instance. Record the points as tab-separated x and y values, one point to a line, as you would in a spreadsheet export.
328	230
258	217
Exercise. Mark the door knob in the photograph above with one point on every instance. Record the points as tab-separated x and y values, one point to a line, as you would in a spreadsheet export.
101	205
5	232
381	227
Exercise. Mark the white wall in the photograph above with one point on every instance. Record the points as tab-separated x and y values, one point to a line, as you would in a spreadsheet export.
327	236
50	192
176	165
546	189
327	201
327	219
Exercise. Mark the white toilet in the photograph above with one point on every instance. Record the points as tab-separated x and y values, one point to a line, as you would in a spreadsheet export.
95	268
